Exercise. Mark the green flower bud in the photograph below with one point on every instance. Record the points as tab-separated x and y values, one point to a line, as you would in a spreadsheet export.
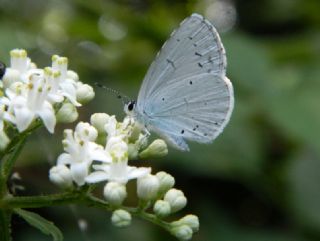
158	148
85	93
61	176
166	181
121	218
182	232
147	187
176	199
98	120
72	75
67	113
161	208
190	220
115	193
11	76
4	140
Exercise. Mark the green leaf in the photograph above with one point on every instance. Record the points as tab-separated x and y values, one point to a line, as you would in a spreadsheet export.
40	223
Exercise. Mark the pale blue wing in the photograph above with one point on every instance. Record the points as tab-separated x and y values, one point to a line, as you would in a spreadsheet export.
185	94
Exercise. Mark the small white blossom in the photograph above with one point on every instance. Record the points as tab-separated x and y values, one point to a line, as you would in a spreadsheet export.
116	172
115	193
162	208
147	187
121	218
81	151
67	85
61	176
30	102
176	199
19	66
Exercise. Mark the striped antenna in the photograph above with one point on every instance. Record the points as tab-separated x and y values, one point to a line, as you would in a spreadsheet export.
125	99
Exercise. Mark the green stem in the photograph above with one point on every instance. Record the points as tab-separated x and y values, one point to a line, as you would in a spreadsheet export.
5	225
76	197
7	165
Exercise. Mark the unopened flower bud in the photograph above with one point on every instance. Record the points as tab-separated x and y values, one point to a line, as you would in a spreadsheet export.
182	232
67	113
86	131
115	193
98	120
85	93
121	218
190	220
176	199
162	208
4	140
158	148
166	181
61	176
72	75
11	76
147	187
133	151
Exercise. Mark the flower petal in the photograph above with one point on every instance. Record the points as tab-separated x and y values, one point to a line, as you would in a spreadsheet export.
64	158
97	177
79	172
47	116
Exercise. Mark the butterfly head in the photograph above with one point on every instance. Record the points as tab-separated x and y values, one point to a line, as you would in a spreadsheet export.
2	70
129	107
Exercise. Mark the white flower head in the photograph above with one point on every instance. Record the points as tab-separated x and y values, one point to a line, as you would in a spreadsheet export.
28	102
81	151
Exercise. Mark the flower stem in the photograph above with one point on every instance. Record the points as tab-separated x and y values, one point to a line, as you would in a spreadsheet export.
75	197
5	225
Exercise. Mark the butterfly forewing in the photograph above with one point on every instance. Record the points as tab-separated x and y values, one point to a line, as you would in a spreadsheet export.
185	94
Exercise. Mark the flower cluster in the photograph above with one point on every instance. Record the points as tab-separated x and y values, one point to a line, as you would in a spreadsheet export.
100	152
29	93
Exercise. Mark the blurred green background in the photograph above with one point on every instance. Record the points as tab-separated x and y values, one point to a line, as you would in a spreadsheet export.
260	180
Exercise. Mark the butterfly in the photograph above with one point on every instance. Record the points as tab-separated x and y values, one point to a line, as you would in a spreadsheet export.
185	94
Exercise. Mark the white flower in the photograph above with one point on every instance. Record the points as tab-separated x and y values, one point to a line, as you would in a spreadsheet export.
121	218
176	199
117	148
30	102
67	85
147	187
115	193
81	151
19	66
118	172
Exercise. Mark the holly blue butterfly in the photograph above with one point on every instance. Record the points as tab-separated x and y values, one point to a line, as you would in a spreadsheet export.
185	94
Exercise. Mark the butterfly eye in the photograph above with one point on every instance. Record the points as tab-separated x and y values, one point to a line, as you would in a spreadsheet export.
2	69
131	105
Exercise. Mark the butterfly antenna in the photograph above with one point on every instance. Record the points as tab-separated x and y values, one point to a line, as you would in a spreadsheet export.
125	99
